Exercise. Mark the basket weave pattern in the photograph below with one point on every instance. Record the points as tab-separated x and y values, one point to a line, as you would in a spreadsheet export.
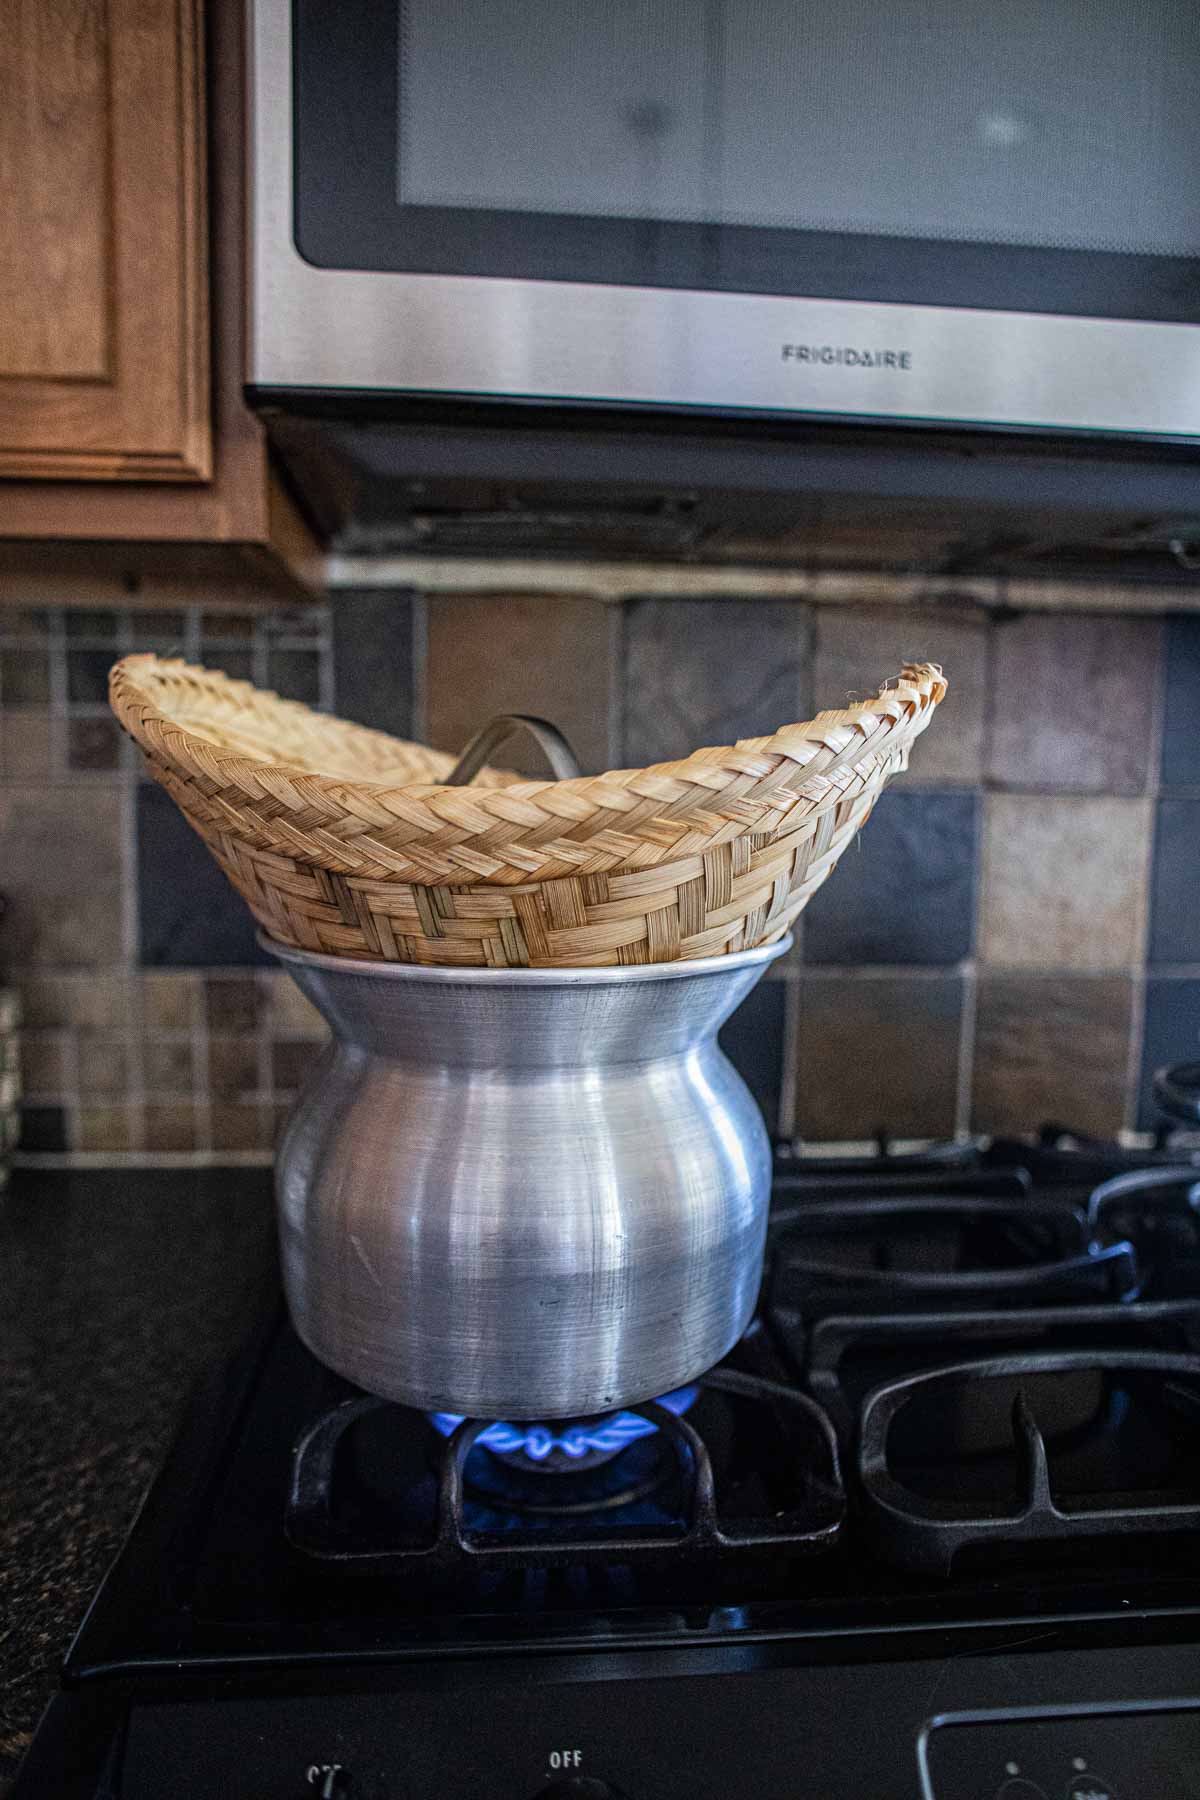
341	840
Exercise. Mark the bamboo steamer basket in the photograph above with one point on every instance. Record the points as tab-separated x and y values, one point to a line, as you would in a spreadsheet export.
343	841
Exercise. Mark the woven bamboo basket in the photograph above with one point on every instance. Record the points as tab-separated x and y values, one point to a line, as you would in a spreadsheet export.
342	841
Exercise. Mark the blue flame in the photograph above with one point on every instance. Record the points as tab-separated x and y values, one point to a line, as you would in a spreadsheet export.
537	1442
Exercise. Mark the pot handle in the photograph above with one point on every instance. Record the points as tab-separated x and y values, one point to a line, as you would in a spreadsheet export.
485	743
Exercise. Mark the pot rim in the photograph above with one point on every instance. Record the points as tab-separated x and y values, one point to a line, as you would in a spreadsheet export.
484	977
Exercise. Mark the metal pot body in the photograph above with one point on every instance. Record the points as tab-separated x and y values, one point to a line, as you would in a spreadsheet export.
523	1194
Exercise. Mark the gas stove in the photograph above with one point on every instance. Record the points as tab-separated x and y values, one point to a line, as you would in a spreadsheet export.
930	1532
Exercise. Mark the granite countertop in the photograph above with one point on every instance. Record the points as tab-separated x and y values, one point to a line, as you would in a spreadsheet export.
118	1288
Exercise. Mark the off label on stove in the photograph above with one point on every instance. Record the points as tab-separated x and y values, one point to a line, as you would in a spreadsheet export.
561	1762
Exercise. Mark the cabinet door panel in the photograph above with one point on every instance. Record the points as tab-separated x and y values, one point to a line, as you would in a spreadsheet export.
103	280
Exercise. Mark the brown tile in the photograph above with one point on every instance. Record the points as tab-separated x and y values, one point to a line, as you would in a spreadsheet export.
146	623
1052	1047
232	1067
47	1000
699	672
62	871
168	1001
103	1002
243	1127
25	745
281	1112
91	622
93	744
167	1065
171	1126
541	654
24	677
858	647
227	625
104	1128
289	1013
1063	883
24	621
43	1062
877	1053
103	1064
232	1002
291	1062
1073	703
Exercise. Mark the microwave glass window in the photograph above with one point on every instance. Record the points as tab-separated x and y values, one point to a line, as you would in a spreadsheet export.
1072	125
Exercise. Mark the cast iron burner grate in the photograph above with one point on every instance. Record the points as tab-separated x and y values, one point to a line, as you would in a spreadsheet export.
464	1537
1158	1211
1133	1477
948	1252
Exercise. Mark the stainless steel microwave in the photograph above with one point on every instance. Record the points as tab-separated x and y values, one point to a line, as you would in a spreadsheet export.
915	211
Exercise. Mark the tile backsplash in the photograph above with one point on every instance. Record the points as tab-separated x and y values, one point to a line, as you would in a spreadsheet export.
1015	937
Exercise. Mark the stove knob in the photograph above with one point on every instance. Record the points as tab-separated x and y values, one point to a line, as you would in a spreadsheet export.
579	1787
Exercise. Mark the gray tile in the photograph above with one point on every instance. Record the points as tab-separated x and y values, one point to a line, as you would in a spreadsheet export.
372	658
525	653
62	872
26	742
188	914
93	744
904	892
1063	883
1074	703
167	1065
238	664
91	622
24	677
295	675
1171	1034
147	624
752	1039
43	1062
1175	883
858	647
87	675
103	1064
878	1053
1181	703
701	672
1051	1047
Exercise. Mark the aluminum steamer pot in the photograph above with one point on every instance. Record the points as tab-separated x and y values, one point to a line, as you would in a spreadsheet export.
523	1193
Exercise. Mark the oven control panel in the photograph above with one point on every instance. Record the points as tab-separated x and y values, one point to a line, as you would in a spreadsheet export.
831	1732
1122	1753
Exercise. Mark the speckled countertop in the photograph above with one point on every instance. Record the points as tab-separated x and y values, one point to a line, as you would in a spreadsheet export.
116	1289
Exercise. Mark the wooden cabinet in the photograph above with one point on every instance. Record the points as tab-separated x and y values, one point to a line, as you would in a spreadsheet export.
122	287
103	257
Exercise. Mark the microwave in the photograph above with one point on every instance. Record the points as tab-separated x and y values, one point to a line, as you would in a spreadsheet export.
921	213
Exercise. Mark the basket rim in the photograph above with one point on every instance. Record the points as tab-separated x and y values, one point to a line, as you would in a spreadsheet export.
449	975
514	788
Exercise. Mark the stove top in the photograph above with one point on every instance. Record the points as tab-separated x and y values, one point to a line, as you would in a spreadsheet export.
949	1478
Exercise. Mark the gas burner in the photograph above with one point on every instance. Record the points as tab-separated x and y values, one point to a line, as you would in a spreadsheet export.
758	1476
569	1446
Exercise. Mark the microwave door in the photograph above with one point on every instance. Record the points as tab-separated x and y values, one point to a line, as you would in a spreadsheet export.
916	211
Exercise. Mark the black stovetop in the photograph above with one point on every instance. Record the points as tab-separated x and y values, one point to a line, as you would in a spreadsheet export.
964	1420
